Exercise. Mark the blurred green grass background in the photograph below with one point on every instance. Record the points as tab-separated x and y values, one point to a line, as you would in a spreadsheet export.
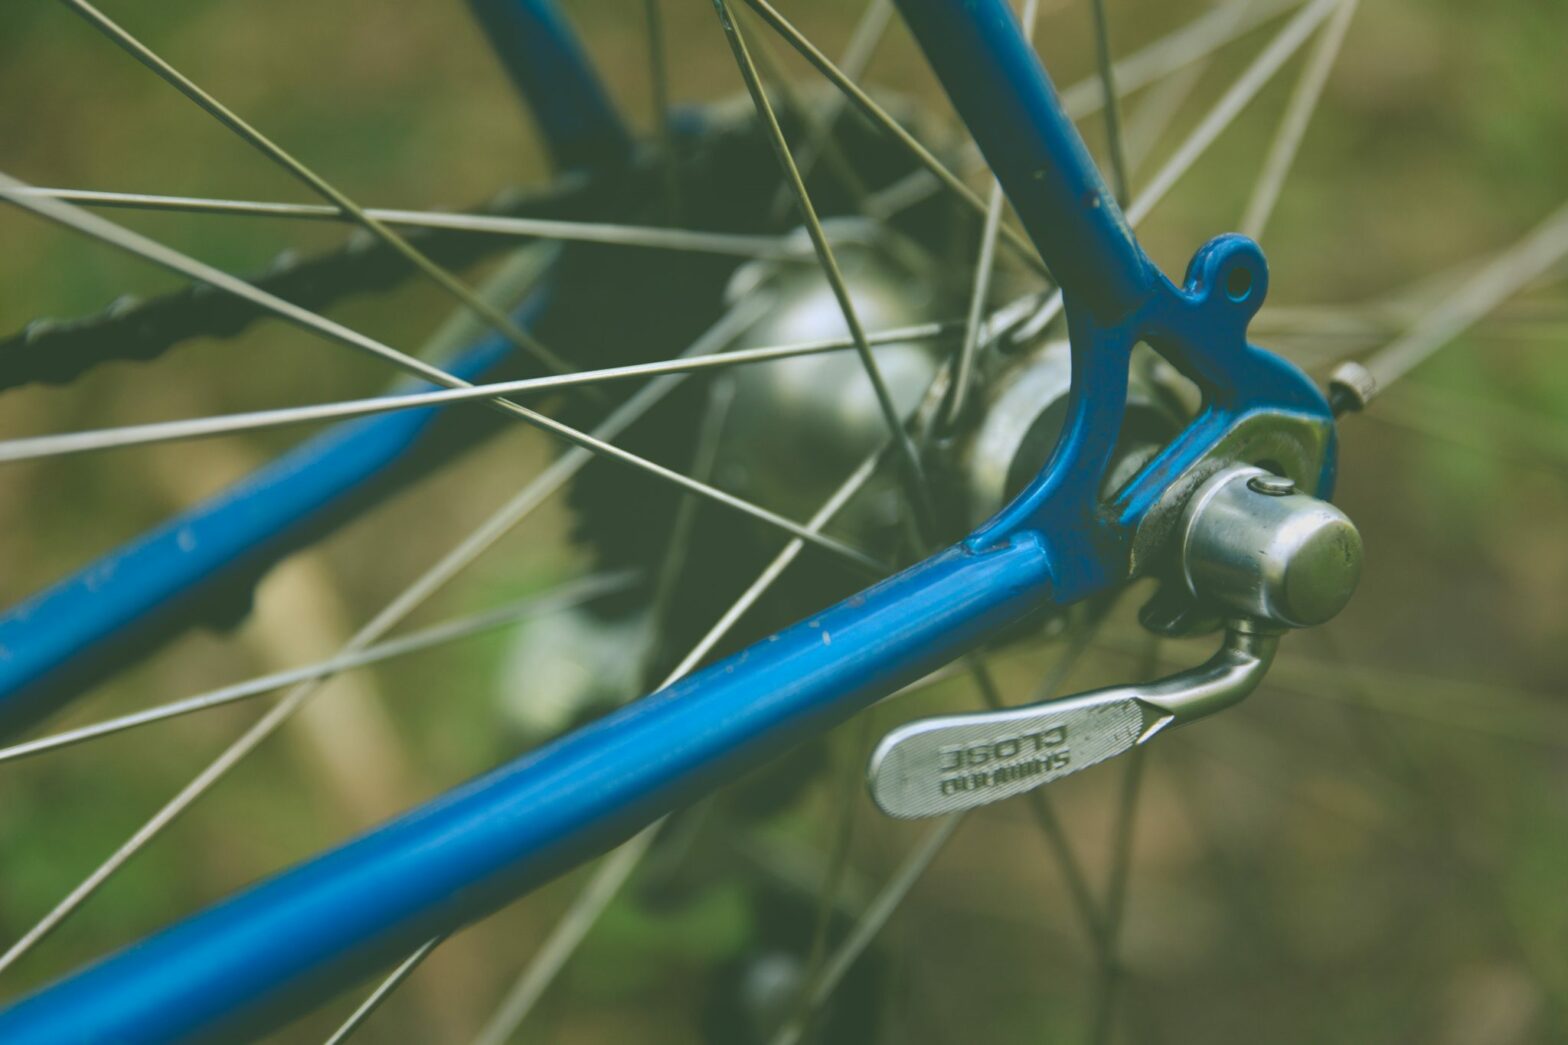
1305	870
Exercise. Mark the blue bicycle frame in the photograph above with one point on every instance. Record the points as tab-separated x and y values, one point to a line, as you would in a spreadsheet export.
201	566
293	940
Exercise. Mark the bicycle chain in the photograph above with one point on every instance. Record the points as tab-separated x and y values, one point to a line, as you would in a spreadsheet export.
131	328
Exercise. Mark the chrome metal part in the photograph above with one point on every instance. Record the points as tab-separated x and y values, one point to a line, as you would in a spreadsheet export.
1249	544
798	425
936	766
1351	386
1272	485
1288	444
1252	544
1021	414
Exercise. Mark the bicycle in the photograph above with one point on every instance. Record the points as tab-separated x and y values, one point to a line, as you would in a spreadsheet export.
1083	468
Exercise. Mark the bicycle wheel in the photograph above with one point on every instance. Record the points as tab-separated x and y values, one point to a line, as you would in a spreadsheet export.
776	909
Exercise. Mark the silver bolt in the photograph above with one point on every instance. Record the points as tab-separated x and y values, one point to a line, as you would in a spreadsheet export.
1272	485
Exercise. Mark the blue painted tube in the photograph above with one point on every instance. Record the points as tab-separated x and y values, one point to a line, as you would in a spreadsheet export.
201	565
546	64
1010	107
249	963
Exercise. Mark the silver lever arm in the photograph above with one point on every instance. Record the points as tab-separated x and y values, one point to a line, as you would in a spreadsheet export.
942	765
1248	545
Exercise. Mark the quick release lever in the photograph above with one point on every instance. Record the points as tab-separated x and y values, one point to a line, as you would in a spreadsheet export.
1251	546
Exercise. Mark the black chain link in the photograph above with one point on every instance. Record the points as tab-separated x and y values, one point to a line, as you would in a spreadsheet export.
57	351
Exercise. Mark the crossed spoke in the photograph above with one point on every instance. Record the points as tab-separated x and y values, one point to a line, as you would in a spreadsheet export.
501	522
35	447
471	626
139	245
464	294
881	118
914	471
654	237
1504	276
614	871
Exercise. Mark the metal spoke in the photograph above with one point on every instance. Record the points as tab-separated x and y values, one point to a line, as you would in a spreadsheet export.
1322	335
1425	783
1293	127
872	921
1198	142
771	70
1501	712
845	792
880	117
1113	116
863	41
1238	892
492	315
765	580
714	494
1196	40
979	291
1040	805
34	447
981	288
1112	909
383	989
1038	801
914	472
567	596
737	244
603	886
93	225
1154	114
1526	715
134	243
659	98
1073	876
914	865
916	485
1279	50
545	485
1515	435
1415	836
1505	275
1394	313
617	868
1169	55
677	548
1110	973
